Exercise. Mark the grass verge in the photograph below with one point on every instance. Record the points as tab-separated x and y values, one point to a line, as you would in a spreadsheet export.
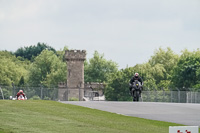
32	116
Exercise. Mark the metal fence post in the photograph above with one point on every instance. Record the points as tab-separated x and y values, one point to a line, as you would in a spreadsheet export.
163	95
2	93
179	95
13	89
41	89
189	100
171	95
148	95
156	95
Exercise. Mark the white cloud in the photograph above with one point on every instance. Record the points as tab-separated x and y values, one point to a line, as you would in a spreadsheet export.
113	27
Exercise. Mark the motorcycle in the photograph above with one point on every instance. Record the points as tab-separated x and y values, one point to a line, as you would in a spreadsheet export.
21	97
137	87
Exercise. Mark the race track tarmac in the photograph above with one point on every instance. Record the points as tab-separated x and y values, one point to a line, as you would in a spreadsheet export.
181	113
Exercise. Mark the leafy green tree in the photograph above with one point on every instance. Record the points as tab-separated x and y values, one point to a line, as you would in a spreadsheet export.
197	86
163	62
47	69
157	72
61	53
32	51
186	73
98	68
117	88
165	57
21	81
11	69
146	72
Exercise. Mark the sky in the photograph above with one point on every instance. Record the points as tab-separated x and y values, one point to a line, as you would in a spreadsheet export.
125	31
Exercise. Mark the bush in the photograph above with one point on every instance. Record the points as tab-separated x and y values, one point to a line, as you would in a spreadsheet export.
35	98
47	98
6	93
73	99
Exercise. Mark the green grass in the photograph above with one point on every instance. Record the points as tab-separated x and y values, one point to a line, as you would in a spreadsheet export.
37	116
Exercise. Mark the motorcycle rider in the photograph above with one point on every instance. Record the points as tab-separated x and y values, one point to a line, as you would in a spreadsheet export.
135	77
20	93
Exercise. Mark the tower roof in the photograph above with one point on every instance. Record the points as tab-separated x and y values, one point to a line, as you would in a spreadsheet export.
75	55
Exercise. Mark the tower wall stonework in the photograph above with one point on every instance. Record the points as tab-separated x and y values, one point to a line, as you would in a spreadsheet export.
75	67
75	87
75	76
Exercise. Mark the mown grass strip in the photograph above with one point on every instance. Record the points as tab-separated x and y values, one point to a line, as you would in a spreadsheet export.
53	117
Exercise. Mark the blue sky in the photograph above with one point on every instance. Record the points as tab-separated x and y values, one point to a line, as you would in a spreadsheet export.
125	31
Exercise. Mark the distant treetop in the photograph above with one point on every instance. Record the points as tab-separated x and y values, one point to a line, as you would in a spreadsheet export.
32	51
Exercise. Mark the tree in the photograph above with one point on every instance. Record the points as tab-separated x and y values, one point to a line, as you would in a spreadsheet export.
186	73
47	69
162	64
32	51
117	88
165	57
146	72
61	53
98	68
11	69
21	81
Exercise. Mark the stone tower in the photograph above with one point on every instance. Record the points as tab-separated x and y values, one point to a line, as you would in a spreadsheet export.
75	76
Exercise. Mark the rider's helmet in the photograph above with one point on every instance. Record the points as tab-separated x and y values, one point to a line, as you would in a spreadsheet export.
20	91
136	75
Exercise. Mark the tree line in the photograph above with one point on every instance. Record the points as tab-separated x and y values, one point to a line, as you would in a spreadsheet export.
43	65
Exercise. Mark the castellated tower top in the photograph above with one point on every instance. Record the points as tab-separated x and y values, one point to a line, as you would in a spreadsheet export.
75	55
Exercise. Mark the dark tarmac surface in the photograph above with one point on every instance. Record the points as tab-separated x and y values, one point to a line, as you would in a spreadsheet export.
181	113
